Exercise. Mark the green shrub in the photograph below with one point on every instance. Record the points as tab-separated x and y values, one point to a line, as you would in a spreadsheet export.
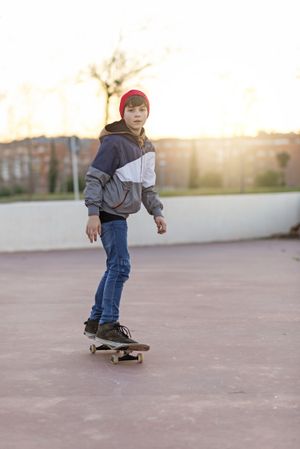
5	191
18	190
269	178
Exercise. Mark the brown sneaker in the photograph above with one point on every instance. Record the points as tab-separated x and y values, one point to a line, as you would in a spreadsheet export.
113	334
91	327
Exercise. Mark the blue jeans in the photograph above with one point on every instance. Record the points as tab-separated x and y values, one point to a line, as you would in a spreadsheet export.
108	294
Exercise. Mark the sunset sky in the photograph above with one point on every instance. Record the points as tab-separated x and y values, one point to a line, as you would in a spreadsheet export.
219	67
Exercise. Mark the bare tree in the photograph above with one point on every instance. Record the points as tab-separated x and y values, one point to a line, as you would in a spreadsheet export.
113	73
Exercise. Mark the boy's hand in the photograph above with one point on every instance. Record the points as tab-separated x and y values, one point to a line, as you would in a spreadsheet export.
161	225
93	228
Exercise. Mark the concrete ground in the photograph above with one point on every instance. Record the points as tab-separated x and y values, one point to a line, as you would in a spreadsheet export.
222	373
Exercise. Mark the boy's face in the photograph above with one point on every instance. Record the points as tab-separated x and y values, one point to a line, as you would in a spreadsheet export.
135	117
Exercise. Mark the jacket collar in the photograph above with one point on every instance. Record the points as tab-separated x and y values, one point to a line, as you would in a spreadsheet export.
120	128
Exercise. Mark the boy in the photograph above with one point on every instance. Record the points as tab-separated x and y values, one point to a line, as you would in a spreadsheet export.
120	178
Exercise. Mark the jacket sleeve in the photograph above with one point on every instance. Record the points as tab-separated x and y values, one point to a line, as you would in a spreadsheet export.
103	167
152	202
150	197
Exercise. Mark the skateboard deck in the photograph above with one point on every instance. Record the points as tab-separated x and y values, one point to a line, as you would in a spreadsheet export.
122	352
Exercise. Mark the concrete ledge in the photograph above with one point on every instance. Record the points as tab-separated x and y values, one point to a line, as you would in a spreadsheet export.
61	224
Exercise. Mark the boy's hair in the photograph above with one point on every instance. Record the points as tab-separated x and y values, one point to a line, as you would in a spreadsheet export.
133	98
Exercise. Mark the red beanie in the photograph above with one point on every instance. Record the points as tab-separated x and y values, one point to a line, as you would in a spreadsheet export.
129	94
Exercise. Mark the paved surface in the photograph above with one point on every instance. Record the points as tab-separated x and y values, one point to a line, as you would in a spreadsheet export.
223	371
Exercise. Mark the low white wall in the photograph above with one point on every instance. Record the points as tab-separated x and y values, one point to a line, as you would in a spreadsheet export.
61	224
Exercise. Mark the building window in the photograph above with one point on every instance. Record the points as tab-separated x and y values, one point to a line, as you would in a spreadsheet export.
281	141
5	170
17	169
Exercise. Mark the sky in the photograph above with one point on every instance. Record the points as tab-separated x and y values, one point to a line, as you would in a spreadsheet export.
219	68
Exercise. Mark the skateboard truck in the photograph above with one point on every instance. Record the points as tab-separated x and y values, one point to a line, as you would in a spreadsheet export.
122	353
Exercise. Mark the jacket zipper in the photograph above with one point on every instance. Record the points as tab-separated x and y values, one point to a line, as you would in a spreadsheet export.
142	166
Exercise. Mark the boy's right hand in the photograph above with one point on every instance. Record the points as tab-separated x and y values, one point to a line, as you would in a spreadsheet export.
93	228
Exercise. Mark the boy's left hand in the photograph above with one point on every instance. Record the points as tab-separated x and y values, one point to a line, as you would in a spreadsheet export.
161	225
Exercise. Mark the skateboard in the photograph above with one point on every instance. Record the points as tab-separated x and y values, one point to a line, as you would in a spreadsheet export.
122	353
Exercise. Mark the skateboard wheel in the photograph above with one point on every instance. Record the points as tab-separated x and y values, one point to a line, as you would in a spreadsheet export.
93	349
114	359
140	357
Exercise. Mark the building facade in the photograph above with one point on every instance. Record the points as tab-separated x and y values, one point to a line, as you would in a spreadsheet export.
234	162
27	165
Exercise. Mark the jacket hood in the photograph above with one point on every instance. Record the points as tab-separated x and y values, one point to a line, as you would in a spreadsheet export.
121	128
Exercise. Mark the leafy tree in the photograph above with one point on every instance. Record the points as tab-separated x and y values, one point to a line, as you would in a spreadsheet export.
70	186
194	176
53	169
283	159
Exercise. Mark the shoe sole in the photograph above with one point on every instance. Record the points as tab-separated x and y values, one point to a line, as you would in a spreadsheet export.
114	344
89	334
